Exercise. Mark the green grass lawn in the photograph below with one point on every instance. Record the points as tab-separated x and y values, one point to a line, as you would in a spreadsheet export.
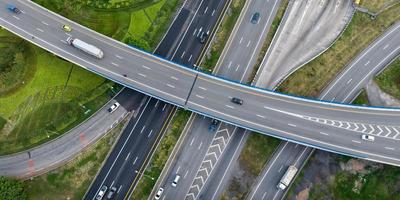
389	79
71	180
362	30
362	99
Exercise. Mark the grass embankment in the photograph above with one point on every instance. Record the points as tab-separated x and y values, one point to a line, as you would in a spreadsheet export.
222	35
389	79
161	155
71	180
270	36
256	152
376	5
362	99
362	30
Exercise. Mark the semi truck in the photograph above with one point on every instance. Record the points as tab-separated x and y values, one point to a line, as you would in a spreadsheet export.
287	177
83	46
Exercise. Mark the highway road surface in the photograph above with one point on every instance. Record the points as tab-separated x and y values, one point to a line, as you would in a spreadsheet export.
318	124
344	88
52	154
308	28
128	160
214	150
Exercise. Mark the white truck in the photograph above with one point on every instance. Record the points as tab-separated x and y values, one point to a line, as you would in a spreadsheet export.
88	48
287	177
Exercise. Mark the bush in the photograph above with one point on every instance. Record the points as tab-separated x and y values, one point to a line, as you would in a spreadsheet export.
11	189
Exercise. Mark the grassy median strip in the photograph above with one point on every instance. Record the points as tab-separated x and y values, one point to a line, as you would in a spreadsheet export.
166	145
72	180
389	79
256	152
362	30
222	35
362	99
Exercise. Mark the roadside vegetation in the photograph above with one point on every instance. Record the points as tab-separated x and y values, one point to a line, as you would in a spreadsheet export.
161	155
222	35
389	79
362	30
255	154
362	99
270	36
72	180
34	82
11	189
377	5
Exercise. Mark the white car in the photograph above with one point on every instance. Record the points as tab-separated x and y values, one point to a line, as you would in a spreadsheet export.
101	193
176	180
159	193
113	107
368	137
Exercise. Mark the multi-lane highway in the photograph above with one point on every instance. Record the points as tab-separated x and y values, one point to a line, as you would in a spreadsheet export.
344	88
128	160
52	154
214	150
271	113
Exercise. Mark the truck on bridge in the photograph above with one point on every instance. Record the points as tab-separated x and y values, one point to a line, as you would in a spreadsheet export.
88	48
287	177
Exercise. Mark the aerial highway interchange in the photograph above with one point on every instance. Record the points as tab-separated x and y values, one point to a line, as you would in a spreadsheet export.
318	124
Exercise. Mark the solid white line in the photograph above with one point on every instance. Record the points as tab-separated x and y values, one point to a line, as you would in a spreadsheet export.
184	35
123	146
265	174
356	62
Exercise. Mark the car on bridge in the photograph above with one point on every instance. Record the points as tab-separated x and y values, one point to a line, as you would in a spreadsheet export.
14	9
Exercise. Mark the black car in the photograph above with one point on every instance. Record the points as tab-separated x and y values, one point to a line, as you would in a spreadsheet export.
203	37
237	101
111	193
213	126
255	17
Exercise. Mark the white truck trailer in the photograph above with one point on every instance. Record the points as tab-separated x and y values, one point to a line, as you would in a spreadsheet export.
287	177
88	48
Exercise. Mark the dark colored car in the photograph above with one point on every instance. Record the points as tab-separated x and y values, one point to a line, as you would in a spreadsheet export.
203	37
255	18
213	126
14	9
111	193
237	101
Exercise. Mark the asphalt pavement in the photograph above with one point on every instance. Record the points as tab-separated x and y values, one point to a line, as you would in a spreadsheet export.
214	150
293	118
117	172
344	88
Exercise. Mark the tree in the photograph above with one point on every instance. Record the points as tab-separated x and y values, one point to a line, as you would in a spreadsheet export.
11	189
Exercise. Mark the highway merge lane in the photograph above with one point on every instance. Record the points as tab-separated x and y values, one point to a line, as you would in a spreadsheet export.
283	116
